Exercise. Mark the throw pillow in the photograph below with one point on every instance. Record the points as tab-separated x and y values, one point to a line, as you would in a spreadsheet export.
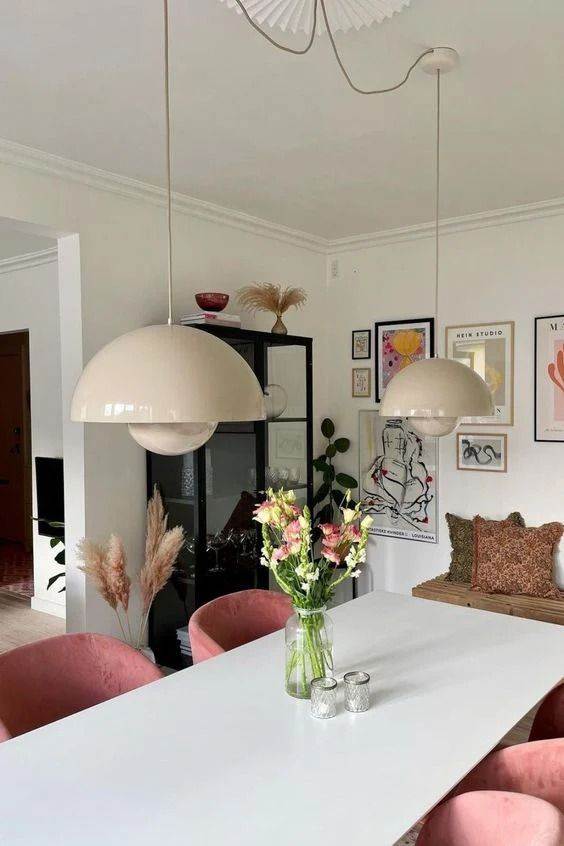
461	533
514	560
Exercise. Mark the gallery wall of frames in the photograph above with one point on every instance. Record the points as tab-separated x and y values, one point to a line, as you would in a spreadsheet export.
497	317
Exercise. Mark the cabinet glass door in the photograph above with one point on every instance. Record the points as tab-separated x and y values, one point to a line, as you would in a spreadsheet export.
287	416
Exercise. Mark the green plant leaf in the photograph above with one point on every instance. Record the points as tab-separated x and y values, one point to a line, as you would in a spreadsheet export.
339	498
326	514
62	590
53	579
321	494
346	481
330	452
327	428
60	558
329	474
320	464
342	444
54	541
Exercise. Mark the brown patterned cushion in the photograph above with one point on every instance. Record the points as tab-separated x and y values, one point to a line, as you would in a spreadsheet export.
461	533
512	559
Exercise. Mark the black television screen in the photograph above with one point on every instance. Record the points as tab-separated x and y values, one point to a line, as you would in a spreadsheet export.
49	482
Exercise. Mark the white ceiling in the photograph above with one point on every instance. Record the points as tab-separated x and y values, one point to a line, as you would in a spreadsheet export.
284	138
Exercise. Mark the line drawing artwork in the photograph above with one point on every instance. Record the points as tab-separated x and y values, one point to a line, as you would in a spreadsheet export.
482	455
398	483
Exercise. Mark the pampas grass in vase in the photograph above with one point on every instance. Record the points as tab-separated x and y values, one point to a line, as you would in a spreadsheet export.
106	567
266	296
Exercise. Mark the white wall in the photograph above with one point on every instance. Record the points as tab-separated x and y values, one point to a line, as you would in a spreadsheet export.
499	273
30	300
123	262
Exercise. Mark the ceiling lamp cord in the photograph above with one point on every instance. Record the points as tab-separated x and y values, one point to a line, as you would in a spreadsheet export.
340	62
437	207
167	144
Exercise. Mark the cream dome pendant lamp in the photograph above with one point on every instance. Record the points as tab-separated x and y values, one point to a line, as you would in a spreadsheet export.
171	384
436	392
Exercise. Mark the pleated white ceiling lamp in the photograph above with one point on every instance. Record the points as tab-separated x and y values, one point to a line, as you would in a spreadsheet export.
297	15
436	392
171	384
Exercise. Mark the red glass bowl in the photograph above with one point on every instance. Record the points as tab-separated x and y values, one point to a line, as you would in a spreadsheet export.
212	302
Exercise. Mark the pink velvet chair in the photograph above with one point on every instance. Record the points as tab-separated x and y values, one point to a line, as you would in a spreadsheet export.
53	678
237	618
492	818
536	769
549	720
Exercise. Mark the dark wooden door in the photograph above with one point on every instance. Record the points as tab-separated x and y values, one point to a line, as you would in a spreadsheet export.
15	462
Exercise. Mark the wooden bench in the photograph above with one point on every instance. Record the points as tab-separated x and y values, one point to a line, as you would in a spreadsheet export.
533	608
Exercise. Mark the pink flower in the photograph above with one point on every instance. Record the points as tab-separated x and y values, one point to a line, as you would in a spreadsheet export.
266	512
280	554
354	533
293	536
331	555
328	529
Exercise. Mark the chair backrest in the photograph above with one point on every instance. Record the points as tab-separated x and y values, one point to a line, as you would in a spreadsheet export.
549	719
237	618
536	769
53	678
493	818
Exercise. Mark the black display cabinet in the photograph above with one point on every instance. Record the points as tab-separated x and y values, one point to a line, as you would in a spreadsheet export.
212	492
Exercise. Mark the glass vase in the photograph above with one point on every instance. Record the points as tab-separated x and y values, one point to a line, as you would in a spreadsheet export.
309	649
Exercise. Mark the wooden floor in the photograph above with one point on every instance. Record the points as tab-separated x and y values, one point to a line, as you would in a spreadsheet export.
19	624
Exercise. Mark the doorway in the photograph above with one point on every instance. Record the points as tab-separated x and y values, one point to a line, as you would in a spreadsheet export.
16	535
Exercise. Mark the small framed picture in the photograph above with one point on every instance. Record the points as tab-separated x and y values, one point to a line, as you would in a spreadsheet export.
481	452
361	343
549	378
488	349
398	344
361	382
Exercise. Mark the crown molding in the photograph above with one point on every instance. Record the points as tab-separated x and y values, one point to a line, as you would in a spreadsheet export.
29	158
449	226
19	155
27	260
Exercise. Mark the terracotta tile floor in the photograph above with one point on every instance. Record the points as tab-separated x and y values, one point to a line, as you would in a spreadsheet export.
16	569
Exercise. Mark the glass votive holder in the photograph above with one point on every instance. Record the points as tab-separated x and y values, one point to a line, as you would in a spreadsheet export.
323	697
357	692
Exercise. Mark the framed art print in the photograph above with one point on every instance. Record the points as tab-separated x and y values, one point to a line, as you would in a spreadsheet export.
488	349
481	452
549	378
398	344
290	443
361	382
398	478
361	344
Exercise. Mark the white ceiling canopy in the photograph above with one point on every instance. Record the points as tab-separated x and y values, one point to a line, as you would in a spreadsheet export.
295	15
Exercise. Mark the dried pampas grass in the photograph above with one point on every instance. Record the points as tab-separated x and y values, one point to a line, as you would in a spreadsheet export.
266	296
107	567
93	557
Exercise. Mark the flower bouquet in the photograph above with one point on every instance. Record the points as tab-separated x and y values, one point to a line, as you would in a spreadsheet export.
309	581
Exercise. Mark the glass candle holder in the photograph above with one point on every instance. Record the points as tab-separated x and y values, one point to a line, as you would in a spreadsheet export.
323	697
357	692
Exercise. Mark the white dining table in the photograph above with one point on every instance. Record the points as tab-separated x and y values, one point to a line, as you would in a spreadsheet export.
220	755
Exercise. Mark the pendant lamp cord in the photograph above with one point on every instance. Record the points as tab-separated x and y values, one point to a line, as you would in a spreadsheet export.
437	207
167	145
309	45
